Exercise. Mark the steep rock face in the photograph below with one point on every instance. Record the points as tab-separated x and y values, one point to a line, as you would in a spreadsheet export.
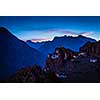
60	60
92	49
15	53
74	69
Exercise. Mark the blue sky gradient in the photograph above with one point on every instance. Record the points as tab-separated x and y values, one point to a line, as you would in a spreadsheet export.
41	28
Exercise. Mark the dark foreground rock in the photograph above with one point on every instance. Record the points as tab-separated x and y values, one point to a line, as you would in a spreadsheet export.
92	49
31	74
62	68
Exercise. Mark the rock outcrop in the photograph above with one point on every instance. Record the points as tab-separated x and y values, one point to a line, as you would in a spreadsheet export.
60	60
92	49
32	74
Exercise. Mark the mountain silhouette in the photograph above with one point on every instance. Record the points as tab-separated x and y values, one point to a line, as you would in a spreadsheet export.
73	43
36	45
15	53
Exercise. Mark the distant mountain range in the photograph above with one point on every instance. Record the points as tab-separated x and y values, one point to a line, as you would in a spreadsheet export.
15	54
35	45
73	43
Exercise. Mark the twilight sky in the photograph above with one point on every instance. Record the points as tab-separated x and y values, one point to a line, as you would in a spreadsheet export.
46	28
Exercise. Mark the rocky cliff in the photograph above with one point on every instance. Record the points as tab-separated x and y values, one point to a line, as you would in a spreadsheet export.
92	49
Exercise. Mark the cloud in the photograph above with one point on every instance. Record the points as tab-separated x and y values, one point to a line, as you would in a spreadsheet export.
61	31
40	39
49	34
86	33
66	32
